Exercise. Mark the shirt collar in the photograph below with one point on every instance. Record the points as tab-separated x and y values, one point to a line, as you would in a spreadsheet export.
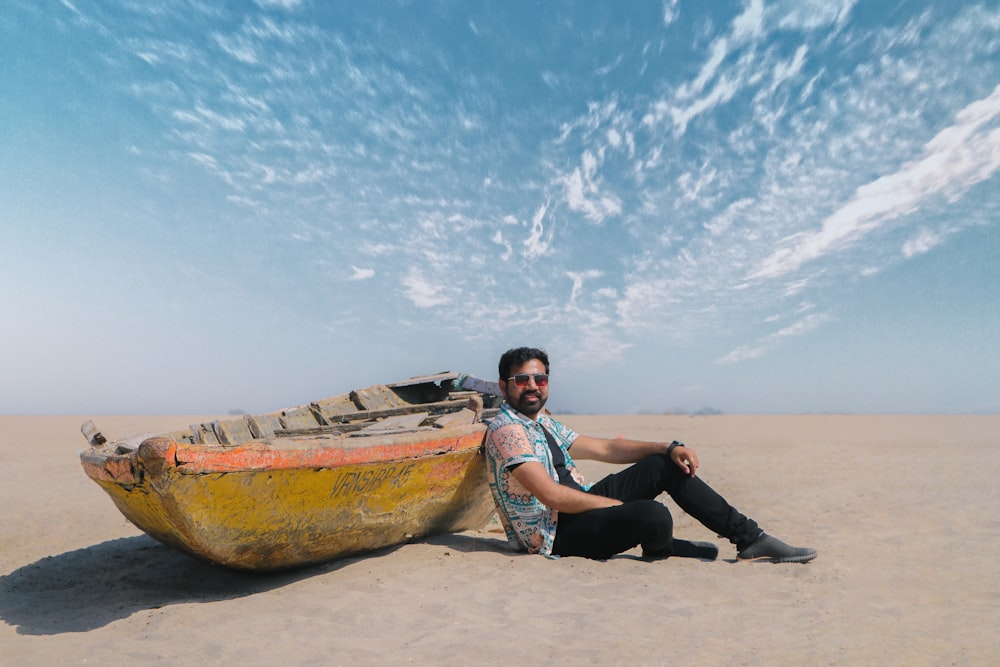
542	418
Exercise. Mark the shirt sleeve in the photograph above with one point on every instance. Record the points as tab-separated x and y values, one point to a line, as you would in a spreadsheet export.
512	445
566	434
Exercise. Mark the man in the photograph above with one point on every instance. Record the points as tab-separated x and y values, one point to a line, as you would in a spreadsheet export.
547	507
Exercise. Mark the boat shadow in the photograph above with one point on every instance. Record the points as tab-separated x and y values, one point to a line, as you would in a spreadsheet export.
89	588
471	541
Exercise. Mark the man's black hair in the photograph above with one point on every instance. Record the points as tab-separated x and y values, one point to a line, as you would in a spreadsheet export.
521	355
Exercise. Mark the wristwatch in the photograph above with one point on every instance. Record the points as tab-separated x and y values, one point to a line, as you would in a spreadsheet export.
674	445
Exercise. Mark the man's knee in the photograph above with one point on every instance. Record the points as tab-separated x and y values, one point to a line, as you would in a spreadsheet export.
654	514
670	474
656	527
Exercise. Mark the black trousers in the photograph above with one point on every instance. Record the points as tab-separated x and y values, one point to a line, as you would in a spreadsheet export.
641	520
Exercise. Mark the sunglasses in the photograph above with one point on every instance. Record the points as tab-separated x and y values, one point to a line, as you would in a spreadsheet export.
521	379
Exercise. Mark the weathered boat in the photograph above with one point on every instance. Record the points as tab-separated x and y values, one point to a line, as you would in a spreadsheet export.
344	475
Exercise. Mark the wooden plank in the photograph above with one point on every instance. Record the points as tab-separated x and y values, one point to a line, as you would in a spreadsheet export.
301	417
484	386
464	395
336	405
421	379
459	418
397	423
437	406
130	443
204	434
318	415
264	426
233	432
378	397
93	436
342	422
180	436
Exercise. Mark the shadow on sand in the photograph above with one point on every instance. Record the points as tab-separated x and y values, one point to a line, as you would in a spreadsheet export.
89	588
470	542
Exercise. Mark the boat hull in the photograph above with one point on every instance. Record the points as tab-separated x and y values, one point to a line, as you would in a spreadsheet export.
273	506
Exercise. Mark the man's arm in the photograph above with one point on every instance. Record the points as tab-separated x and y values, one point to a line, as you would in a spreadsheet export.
536	480
620	450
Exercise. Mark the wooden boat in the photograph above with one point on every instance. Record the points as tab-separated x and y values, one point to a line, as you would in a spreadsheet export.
348	474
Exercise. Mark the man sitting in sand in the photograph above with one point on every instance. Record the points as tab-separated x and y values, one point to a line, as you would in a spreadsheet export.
546	506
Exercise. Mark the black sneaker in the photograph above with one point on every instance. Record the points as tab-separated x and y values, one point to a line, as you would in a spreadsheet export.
702	550
769	549
687	549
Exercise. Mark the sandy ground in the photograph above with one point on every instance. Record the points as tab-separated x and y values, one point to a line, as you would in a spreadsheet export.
903	511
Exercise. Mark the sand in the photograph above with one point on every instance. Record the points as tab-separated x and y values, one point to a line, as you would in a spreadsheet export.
903	511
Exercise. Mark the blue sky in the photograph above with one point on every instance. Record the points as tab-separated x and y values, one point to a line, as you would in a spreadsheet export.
756	206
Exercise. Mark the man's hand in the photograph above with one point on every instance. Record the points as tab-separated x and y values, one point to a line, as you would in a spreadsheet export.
686	459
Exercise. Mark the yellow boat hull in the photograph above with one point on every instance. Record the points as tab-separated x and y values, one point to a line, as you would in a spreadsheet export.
261	508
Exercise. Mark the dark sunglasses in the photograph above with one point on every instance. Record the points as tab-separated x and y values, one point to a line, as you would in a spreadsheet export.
521	379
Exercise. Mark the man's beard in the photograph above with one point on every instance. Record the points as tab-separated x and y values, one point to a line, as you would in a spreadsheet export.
530	409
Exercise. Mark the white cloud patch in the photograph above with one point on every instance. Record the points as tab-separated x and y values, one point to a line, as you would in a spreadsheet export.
811	14
785	70
723	91
279	4
959	157
422	292
671	12
361	274
691	186
204	160
721	223
718	52
796	287
743	353
535	246
583	194
70	6
923	242
750	24
610	67
499	240
801	327
719	80
237	47
577	279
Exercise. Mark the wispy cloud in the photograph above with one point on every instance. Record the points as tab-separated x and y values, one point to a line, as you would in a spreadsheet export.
535	244
361	274
959	157
810	14
670	11
577	278
925	241
801	327
280	4
584	196
422	292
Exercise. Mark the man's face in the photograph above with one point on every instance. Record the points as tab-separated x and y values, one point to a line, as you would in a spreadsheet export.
529	399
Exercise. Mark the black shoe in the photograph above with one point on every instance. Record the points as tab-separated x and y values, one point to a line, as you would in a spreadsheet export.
686	549
769	549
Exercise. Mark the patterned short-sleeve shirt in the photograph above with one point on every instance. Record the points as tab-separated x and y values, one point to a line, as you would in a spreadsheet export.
513	439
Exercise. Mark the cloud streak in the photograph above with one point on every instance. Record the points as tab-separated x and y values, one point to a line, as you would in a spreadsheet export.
801	327
956	159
